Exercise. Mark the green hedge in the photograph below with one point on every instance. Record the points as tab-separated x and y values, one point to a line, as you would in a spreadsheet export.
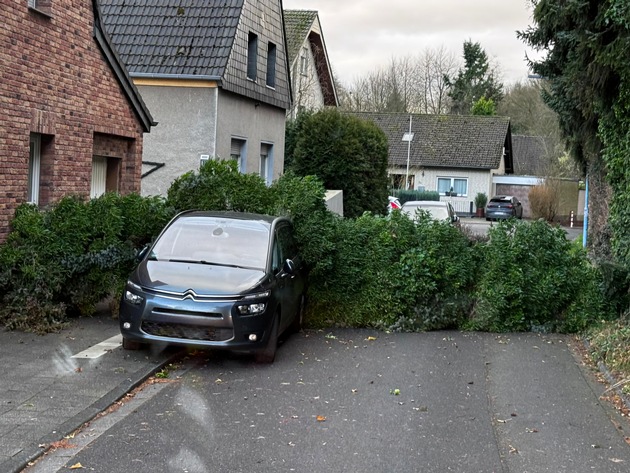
409	195
376	271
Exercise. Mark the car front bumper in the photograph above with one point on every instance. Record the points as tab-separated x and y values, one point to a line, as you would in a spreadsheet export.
211	323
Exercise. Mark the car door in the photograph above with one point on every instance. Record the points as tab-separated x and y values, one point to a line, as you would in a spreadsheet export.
289	286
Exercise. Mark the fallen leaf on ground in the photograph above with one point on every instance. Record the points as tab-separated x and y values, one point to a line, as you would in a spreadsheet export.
76	466
321	419
371	339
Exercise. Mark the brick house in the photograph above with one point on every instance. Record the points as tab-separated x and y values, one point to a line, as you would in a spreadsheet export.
72	120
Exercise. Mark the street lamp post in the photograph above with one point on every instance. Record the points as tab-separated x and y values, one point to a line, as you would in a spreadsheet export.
408	137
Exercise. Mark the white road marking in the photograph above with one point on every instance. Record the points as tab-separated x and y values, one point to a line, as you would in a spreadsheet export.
101	348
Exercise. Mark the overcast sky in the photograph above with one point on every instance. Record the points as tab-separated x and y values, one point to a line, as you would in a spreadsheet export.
363	35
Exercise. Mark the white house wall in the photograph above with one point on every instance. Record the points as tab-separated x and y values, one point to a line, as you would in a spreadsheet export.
307	92
479	180
255	123
185	131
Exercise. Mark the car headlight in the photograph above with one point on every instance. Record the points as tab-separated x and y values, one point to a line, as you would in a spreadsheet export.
253	308
132	298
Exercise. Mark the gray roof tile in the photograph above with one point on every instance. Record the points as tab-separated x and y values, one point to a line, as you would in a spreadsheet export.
166	37
453	141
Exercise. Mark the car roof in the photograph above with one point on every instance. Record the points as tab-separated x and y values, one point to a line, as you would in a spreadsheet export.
425	203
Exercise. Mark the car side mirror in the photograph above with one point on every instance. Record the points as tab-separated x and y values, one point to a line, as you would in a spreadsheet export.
288	267
142	253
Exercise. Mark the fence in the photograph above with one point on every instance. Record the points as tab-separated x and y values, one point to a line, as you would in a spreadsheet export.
462	208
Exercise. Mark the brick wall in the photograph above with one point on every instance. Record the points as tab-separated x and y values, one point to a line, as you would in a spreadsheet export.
55	81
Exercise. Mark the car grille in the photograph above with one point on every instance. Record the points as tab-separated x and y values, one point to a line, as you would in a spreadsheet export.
187	332
167	311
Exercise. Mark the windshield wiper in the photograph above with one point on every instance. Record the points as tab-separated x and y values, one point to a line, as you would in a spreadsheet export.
210	263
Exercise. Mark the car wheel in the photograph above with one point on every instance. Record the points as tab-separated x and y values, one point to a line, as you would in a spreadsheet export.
296	325
268	354
131	344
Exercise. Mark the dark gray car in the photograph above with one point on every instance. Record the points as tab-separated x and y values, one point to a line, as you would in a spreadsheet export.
223	280
504	206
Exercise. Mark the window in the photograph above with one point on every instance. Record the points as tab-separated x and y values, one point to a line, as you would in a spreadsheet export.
41	6
304	62
271	65
34	164
266	162
252	56
104	175
453	186
237	152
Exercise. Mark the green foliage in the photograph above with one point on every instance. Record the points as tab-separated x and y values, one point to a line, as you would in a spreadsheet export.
347	154
609	342
394	274
63	261
409	195
484	106
481	199
475	81
219	186
532	278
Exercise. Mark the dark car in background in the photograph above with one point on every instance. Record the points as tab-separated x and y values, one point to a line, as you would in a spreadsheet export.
223	280
503	207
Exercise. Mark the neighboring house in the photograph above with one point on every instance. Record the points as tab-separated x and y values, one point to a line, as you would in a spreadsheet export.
72	120
456	155
311	76
532	167
215	75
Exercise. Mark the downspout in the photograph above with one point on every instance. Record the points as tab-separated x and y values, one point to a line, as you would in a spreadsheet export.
216	120
585	229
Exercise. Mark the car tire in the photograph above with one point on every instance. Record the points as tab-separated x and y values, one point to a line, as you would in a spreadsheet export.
296	325
128	344
268	354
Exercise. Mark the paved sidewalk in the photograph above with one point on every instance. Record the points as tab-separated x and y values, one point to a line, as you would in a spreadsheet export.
50	388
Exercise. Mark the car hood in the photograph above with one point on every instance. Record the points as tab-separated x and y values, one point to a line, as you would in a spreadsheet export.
203	279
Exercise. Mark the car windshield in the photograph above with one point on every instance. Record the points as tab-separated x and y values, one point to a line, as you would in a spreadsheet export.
214	240
436	212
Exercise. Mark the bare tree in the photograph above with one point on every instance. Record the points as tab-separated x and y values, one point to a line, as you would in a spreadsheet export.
408	84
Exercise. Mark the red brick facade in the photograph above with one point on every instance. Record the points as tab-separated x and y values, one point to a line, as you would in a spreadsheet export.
56	82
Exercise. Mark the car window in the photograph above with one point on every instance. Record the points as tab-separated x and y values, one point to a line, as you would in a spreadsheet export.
214	240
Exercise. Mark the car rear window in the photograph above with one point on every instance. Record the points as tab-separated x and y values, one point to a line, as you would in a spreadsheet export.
501	199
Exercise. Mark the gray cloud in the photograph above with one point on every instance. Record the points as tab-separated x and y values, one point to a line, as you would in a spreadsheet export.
363	35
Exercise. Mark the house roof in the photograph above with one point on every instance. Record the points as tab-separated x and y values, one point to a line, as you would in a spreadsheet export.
297	25
530	155
301	26
182	38
453	141
121	73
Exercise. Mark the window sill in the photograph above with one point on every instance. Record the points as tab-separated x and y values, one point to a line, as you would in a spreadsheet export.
45	13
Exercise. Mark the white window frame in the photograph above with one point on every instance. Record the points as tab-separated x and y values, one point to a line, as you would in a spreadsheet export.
266	162
452	184
34	168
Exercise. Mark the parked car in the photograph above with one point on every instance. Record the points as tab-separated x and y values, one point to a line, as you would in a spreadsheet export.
504	206
222	280
438	210
394	204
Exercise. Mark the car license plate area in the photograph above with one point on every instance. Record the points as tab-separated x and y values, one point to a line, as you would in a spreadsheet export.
187	332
